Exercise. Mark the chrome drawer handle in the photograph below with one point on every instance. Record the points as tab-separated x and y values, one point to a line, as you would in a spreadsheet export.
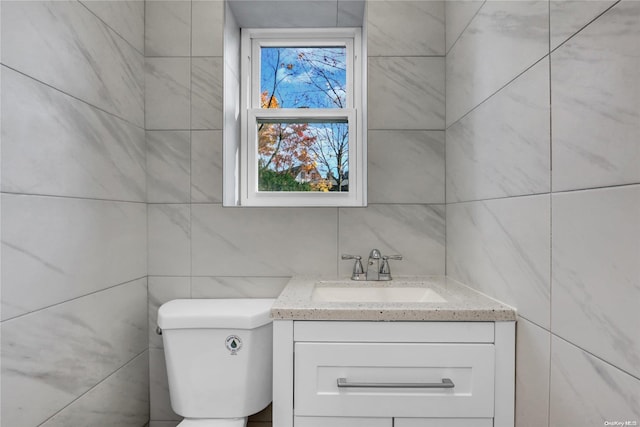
446	383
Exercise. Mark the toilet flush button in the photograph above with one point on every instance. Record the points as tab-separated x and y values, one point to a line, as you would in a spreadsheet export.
234	344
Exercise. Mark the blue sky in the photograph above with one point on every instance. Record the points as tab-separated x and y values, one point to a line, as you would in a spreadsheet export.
305	77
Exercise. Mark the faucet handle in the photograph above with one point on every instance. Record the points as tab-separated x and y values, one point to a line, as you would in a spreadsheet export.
358	270
385	270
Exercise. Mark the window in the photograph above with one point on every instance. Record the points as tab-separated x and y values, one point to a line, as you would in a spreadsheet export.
301	118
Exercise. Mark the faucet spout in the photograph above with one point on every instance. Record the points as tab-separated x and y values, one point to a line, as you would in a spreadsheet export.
373	265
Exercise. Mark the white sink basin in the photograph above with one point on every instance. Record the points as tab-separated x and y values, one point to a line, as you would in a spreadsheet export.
374	294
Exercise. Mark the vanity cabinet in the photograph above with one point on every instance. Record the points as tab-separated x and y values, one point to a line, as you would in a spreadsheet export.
393	374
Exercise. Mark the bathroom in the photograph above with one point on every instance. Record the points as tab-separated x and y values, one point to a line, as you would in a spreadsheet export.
523	183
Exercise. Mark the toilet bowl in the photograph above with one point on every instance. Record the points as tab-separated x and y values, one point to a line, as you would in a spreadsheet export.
218	355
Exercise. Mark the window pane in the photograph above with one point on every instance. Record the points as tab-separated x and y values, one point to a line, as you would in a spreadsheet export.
303	156
303	77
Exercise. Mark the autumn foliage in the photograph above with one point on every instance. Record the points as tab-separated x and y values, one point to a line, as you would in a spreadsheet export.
286	149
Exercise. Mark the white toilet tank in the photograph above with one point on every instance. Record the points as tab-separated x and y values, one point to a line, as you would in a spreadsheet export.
219	356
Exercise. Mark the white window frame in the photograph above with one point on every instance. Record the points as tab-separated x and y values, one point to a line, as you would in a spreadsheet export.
251	42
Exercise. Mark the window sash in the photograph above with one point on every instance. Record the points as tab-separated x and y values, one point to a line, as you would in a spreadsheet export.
256	65
252	40
257	115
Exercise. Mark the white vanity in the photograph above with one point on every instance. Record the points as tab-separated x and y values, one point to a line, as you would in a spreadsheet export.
412	352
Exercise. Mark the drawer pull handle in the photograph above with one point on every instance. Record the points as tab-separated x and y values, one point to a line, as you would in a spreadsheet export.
446	383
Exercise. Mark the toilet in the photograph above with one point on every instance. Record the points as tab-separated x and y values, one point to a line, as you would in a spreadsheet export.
219	359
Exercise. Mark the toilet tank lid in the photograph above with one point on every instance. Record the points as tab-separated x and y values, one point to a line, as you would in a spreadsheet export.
245	313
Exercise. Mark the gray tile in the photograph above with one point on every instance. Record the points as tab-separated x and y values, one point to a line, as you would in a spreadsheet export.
286	13
405	166
66	46
587	391
164	289
502	248
237	287
503	40
167	94
596	103
160	405
596	274
502	148
206	166
168	166
458	14
206	93
417	232
125	17
533	353
207	27
122	400
55	249
54	144
406	93
55	355
567	17
263	241
167	28
405	28
169	240
351	13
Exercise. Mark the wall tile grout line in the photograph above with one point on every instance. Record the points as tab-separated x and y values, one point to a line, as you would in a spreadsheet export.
543	193
582	28
60	196
82	2
550	341
499	90
146	350
464	29
618	368
76	98
459	202
128	282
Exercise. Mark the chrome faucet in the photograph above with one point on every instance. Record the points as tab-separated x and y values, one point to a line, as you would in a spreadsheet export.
377	266
373	273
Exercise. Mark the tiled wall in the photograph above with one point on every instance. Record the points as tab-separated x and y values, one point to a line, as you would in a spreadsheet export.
531	85
199	249
74	288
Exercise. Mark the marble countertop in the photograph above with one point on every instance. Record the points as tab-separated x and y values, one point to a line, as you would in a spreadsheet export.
461	303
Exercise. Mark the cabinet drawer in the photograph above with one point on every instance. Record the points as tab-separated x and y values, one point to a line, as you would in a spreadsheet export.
443	422
382	377
342	422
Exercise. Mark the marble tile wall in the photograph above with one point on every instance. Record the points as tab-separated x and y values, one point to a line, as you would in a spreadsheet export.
199	249
596	107
82	155
74	347
561	242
